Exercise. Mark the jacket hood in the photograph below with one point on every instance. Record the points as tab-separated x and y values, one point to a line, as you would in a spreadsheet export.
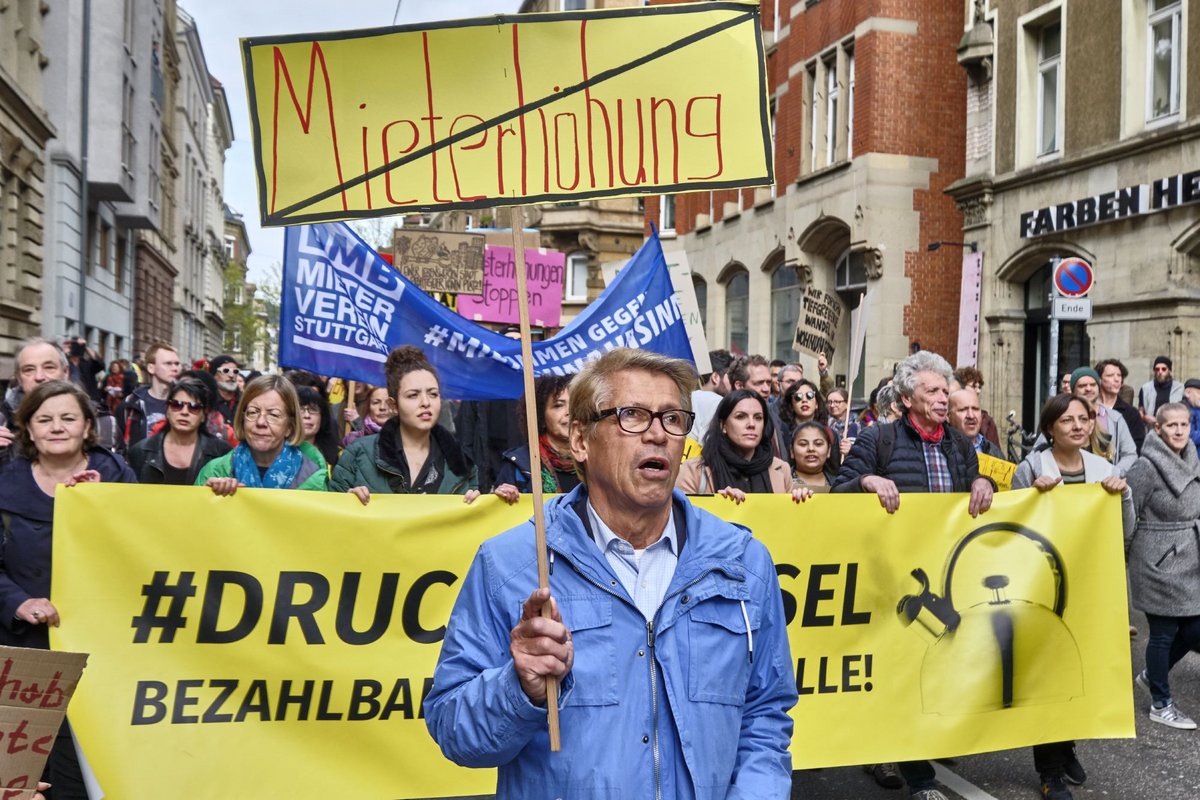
1177	471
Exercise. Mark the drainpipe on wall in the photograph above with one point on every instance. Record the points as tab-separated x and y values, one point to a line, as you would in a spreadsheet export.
84	255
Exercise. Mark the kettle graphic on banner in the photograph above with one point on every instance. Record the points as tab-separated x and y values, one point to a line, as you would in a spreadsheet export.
996	633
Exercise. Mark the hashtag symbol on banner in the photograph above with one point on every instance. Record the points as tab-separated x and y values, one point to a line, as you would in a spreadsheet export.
437	334
155	592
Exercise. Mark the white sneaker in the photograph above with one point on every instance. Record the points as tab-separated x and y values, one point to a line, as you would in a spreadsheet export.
1172	717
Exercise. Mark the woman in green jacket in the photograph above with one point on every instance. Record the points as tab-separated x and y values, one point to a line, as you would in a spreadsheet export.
411	454
272	453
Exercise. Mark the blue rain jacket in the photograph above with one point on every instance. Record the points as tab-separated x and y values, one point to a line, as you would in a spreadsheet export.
677	710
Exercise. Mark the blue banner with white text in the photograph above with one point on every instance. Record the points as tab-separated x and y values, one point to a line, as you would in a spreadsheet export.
344	309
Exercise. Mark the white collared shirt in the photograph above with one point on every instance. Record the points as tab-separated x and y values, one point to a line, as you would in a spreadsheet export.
645	573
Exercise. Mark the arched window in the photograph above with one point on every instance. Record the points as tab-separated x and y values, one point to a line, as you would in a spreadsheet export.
737	311
786	294
701	287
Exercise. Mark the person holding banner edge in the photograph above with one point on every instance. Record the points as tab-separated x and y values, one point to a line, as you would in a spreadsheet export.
667	635
56	437
1067	424
412	453
920	452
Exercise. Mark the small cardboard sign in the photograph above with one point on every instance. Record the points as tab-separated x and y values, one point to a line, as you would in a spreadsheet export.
35	687
816	330
440	261
497	302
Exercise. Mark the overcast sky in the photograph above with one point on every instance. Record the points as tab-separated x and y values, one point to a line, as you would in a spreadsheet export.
222	22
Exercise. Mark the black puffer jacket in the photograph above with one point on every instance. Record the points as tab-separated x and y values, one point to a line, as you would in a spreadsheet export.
906	465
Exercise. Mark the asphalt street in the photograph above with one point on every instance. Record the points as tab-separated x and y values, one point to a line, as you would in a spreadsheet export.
1160	764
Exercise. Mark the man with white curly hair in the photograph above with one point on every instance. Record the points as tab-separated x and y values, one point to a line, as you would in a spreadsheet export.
920	452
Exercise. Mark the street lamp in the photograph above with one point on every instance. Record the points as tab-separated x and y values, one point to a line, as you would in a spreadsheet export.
933	247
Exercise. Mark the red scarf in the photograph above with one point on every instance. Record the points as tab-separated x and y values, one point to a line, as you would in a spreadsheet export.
933	438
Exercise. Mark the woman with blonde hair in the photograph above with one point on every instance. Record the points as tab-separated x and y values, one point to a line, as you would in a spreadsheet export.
273	453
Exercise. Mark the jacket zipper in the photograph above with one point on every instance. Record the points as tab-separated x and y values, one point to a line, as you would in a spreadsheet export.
653	660
654	708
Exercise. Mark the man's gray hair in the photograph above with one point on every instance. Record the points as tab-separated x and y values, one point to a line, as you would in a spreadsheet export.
62	357
907	370
888	400
791	368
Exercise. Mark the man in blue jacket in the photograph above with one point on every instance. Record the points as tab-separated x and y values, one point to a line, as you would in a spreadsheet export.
667	630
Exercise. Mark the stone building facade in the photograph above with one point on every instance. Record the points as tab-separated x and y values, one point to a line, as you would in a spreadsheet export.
24	130
1085	142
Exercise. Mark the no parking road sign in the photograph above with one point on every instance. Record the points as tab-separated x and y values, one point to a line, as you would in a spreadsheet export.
1072	277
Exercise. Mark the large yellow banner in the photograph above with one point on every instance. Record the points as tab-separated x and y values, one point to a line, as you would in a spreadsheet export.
508	109
284	640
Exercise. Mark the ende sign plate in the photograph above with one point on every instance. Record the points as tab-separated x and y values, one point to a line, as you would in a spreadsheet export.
1072	308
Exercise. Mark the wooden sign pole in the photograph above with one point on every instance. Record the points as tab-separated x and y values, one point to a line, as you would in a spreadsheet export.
535	454
351	388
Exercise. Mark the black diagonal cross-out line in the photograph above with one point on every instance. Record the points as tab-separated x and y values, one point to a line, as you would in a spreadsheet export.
281	215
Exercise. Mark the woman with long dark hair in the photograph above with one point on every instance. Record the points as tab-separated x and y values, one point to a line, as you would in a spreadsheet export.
814	453
737	458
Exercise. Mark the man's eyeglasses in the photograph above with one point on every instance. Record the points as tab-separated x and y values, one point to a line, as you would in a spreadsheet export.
273	417
809	395
180	405
634	419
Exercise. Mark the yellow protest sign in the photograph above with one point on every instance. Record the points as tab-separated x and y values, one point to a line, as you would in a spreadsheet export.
508	109
997	469
286	639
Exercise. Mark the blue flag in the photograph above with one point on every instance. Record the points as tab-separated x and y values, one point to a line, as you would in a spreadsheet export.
344	309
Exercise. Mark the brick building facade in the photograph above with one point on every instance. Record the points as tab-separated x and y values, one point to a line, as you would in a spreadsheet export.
869	115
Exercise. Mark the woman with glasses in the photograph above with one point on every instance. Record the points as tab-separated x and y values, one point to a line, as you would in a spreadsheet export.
552	398
801	402
176	454
412	453
317	421
272	453
737	459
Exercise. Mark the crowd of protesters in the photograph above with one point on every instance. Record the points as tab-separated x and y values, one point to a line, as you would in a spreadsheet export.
762	426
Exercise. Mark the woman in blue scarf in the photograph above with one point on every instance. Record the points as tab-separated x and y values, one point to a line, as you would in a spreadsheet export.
272	453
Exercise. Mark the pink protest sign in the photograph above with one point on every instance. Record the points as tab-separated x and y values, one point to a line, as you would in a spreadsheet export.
498	303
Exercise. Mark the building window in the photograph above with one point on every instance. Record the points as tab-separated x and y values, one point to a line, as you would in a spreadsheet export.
666	215
814	115
577	278
119	264
1049	118
230	248
786	293
737	312
850	276
701	288
1163	57
832	95
850	105
102	254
